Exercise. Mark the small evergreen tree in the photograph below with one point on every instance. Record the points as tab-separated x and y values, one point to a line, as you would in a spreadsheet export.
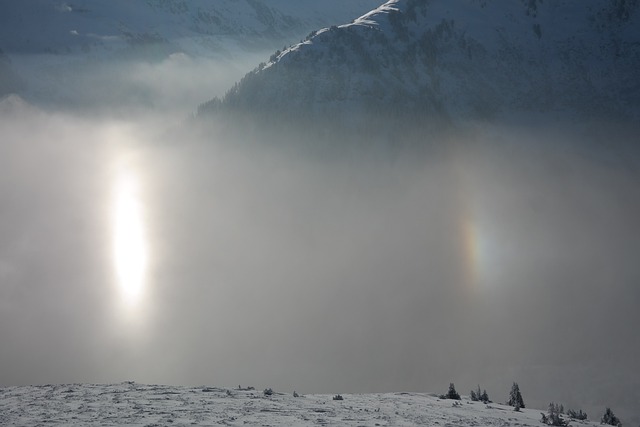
479	396
515	397
554	417
610	419
452	393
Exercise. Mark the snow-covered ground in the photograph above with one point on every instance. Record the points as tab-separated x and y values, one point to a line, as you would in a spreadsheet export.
149	405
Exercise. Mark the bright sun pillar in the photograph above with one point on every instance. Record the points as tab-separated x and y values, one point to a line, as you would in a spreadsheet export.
130	250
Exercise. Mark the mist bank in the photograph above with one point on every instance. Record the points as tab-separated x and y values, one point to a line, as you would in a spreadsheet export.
121	87
480	254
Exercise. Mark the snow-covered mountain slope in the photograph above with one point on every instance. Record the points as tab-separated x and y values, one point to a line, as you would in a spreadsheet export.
9	81
195	26
457	60
141	405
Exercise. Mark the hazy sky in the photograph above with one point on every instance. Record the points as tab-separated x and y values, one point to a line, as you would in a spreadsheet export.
132	249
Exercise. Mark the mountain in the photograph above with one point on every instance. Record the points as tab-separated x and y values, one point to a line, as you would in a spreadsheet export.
469	59
200	27
9	81
147	53
137	404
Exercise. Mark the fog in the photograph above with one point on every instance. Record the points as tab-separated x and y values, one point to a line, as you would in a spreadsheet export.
128	83
136	244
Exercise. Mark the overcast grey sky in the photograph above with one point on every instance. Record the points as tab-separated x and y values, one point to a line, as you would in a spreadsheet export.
503	253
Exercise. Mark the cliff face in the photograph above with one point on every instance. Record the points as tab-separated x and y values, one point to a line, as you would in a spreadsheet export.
474	59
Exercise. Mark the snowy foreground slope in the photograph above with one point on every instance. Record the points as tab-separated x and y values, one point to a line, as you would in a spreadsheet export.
144	405
458	60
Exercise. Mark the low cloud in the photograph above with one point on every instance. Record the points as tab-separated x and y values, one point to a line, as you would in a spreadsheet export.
498	254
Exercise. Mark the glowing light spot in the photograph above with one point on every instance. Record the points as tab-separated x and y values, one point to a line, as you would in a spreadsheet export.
471	250
130	249
485	259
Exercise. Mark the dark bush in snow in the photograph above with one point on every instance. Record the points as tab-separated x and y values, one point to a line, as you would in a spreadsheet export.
610	419
553	416
338	397
479	396
452	393
577	415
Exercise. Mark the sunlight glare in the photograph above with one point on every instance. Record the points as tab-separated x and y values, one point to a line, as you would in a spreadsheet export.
129	242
